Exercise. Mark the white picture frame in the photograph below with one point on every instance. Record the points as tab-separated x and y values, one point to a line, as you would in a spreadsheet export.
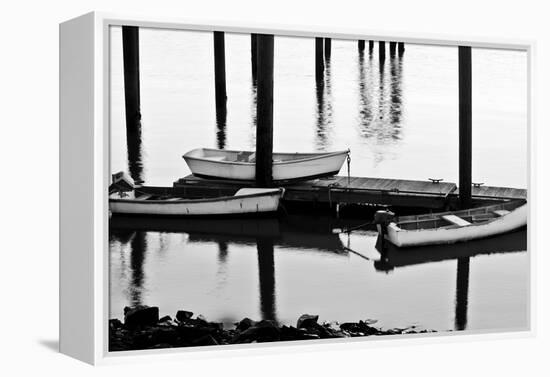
84	177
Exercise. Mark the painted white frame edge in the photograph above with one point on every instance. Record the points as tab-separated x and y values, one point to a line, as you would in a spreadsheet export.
84	148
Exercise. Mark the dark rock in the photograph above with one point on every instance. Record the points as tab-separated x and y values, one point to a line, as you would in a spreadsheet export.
206	340
245	324
263	331
183	315
290	333
161	345
165	335
141	315
143	330
361	327
310	336
142	340
166	318
307	320
115	324
200	317
189	333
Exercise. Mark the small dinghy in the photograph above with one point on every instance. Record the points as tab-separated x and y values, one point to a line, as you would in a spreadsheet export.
126	198
451	227
241	165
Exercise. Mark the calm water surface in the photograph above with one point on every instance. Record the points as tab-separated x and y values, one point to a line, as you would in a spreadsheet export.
399	118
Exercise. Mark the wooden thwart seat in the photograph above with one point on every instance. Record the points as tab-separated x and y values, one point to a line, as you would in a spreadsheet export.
144	197
455	220
501	212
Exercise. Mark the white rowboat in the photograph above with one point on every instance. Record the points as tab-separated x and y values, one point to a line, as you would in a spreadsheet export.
456	226
147	201
241	165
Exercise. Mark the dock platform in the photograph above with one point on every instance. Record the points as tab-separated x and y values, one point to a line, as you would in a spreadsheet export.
362	190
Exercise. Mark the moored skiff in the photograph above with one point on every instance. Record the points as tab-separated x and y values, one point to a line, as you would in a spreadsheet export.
451	227
241	165
146	201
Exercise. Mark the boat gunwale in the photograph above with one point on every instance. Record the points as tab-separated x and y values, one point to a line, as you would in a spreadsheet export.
518	203
273	192
314	156
396	228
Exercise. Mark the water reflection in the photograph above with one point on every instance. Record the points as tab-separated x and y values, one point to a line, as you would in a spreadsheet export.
266	272
221	124
324	112
254	113
380	99
138	247
265	234
396	94
134	147
297	236
222	252
462	283
392	257
365	94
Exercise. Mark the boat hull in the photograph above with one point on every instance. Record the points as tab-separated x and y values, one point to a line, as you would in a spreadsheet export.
409	238
290	167
259	202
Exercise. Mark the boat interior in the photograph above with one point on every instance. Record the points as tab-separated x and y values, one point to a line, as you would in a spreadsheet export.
137	195
455	219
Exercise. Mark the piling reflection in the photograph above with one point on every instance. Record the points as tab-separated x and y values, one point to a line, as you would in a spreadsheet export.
380	99
462	283
253	113
138	247
324	111
266	271
221	123
365	93
396	94
134	146
222	251
392	257
296	236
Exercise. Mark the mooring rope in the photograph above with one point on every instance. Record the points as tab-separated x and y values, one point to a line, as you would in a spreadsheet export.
349	163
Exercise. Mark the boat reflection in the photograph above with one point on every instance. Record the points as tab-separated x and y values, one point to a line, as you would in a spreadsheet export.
294	232
393	257
266	233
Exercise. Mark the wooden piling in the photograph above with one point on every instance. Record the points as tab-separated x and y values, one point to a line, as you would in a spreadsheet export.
371	46
319	61
130	52
465	125
264	126
400	48
219	70
361	45
393	46
254	56
382	50
328	48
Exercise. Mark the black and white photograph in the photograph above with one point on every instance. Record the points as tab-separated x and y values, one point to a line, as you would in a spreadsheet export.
280	188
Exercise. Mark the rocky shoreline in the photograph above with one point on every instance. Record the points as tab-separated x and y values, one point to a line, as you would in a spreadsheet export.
143	329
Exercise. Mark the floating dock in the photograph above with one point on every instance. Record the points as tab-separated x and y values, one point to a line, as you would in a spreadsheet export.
363	191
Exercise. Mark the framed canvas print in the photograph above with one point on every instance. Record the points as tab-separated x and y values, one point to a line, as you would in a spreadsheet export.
228	188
